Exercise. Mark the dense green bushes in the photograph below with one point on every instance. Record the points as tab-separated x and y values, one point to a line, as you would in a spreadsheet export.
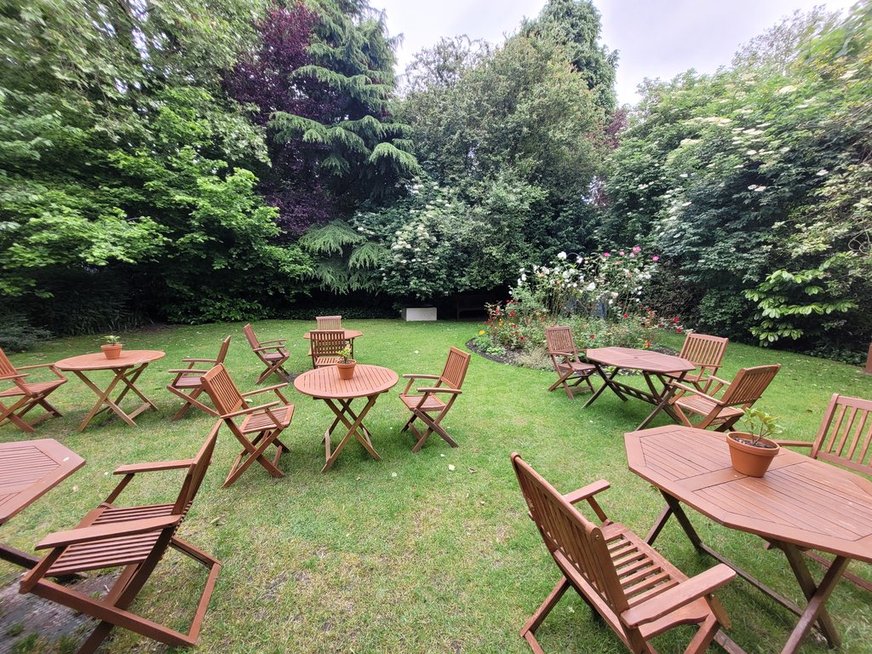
213	160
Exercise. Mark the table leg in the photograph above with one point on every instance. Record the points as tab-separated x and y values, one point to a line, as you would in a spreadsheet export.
662	398
354	429
607	383
817	596
103	398
129	380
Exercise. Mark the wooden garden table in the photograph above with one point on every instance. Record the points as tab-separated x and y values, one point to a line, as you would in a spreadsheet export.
127	368
324	384
28	470
800	503
652	365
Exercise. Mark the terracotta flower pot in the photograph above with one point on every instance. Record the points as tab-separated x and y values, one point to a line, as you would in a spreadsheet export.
751	460
112	350
346	370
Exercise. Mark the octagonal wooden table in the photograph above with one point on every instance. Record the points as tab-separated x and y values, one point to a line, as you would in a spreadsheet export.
652	365
126	370
799	503
28	470
324	384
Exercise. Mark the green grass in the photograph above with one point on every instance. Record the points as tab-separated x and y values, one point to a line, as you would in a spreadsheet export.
404	555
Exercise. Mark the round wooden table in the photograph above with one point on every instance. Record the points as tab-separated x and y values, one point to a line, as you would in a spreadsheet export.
127	368
324	384
652	365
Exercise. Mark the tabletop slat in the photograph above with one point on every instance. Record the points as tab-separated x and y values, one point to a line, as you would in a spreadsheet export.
325	383
29	469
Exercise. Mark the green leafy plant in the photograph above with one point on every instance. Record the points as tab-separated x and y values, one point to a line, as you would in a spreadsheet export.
760	425
345	354
112	339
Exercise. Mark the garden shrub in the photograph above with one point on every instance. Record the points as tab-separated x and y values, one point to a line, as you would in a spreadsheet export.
16	332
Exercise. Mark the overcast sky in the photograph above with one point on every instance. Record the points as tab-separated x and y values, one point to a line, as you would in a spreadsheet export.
654	38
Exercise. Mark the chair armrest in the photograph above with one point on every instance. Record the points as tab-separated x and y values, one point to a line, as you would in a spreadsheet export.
695	391
557	353
684	593
417	376
250	409
268	347
104	532
152	467
795	443
280	341
194	360
585	492
34	366
264	390
196	372
439	389
16	376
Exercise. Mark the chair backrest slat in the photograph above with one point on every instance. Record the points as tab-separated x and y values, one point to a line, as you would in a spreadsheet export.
559	339
455	368
570	537
248	330
704	351
6	367
749	384
845	434
220	387
327	342
329	322
197	471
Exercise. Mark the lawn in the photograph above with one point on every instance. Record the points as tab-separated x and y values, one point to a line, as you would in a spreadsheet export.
406	554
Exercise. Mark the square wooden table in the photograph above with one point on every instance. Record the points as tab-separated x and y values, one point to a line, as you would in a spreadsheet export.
28	470
799	503
324	384
126	370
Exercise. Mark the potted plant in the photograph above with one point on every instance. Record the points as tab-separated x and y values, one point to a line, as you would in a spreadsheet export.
346	365
751	451
112	346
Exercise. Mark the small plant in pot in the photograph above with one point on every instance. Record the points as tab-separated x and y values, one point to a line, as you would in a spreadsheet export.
112	346
752	451
346	363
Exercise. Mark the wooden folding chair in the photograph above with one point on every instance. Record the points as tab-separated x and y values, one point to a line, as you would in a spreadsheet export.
266	421
187	383
326	344
25	396
272	353
843	438
724	402
706	353
329	322
636	591
425	403
566	361
135	538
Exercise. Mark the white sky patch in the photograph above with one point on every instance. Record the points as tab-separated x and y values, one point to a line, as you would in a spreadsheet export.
655	38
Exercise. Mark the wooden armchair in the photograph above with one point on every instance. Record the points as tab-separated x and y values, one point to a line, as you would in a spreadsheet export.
567	364
637	592
425	403
706	353
188	385
266	422
272	353
326	344
723	403
24	396
843	438
134	538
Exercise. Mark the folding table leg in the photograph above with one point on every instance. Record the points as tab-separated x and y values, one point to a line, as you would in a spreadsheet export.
103	398
354	429
817	596
607	383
